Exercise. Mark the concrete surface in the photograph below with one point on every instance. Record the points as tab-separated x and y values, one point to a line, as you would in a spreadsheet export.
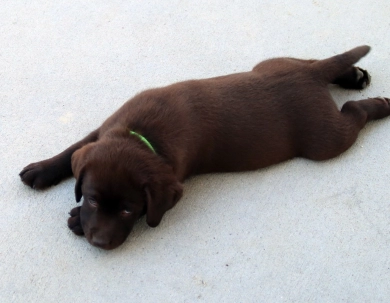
296	232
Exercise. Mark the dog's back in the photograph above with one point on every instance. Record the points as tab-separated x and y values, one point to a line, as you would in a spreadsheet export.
279	110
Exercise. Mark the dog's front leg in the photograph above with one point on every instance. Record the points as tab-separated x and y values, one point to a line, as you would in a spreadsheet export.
51	171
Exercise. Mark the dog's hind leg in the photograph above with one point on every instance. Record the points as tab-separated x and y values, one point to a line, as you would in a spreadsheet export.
354	78
367	110
341	132
51	171
340	70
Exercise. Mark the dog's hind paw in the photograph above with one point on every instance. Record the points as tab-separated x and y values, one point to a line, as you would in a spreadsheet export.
363	78
355	78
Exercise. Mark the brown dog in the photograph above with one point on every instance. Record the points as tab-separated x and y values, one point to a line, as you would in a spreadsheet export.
135	162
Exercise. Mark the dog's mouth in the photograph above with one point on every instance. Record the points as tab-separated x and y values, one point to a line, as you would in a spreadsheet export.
100	240
105	231
101	243
106	236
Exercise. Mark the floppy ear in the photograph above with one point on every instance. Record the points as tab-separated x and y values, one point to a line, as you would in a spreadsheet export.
78	168
77	189
161	198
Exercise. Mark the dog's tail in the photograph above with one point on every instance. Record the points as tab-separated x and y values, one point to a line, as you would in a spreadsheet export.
335	66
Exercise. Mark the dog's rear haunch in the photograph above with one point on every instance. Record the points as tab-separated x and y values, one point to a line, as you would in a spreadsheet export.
135	163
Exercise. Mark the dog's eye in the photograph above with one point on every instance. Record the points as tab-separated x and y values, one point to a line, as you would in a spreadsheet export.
126	212
92	201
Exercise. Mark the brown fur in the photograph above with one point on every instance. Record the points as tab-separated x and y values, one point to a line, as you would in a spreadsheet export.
279	110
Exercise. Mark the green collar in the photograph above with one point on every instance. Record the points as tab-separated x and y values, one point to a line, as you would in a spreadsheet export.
144	140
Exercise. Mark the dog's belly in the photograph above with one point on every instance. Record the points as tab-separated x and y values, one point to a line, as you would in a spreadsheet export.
245	146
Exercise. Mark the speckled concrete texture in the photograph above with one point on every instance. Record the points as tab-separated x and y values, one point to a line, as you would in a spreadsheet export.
300	231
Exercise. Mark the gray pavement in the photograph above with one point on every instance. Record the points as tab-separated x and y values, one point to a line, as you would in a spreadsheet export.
300	231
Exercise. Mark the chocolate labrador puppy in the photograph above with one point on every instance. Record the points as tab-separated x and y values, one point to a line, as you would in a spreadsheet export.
135	163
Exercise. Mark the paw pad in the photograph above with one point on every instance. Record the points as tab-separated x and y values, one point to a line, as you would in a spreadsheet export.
362	78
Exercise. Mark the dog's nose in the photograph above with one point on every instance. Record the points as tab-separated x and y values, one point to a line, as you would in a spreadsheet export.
101	242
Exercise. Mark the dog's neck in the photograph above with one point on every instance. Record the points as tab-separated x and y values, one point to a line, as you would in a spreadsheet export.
144	140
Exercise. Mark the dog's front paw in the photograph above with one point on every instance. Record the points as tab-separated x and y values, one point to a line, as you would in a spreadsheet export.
74	222
41	175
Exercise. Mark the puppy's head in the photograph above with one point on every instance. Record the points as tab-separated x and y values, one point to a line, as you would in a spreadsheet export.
119	183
